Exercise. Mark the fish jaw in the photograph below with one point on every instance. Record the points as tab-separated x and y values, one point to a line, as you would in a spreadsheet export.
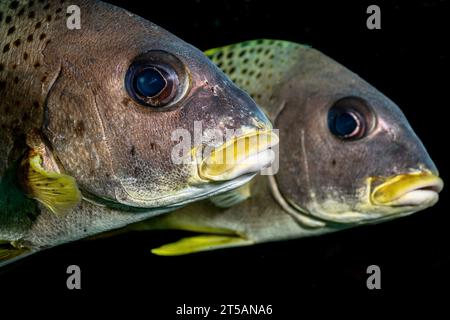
415	189
244	154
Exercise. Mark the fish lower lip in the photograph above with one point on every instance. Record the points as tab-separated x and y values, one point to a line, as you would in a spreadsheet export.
248	153
412	189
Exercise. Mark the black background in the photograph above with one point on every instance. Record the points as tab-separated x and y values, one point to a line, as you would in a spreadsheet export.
407	60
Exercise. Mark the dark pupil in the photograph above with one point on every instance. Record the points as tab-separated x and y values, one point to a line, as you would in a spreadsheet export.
344	124
149	82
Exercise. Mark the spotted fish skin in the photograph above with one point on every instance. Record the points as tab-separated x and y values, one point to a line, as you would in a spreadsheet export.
26	28
67	90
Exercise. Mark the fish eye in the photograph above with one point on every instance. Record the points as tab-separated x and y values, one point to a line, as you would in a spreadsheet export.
151	82
157	79
349	118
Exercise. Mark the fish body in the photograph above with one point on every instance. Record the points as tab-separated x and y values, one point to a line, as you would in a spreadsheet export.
347	155
88	118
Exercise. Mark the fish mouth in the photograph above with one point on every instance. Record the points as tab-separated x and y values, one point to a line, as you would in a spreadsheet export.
244	154
408	190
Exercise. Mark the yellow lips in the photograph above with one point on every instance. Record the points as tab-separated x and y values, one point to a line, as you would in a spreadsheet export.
407	189
240	155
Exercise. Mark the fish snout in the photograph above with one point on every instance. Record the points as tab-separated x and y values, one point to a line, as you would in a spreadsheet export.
237	137
415	189
243	154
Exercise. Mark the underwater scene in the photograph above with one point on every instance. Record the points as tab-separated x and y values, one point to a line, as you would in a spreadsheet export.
223	159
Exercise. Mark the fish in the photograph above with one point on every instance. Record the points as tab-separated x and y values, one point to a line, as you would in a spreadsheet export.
347	155
100	128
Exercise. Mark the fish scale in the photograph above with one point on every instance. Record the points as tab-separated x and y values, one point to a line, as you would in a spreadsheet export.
82	149
26	28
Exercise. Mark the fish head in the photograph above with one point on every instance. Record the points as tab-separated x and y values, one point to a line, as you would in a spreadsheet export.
347	153
128	109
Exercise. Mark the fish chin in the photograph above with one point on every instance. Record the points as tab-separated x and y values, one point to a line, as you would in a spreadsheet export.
185	196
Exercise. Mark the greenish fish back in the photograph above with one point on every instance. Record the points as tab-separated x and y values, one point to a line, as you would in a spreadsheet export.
256	65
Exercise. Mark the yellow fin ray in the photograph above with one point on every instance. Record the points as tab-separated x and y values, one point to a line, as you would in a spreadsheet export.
57	191
198	244
8	251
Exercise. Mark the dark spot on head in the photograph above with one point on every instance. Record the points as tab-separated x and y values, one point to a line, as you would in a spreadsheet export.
333	162
133	151
11	30
42	36
14	66
35	104
125	101
79	128
30	38
43	79
36	65
8	19
16	80
14	5
38	25
31	15
17	42
6	48
49	18
25	56
21	12
152	145
58	10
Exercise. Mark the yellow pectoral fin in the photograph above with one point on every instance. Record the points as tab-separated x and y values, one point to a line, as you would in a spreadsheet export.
57	191
8	251
199	243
